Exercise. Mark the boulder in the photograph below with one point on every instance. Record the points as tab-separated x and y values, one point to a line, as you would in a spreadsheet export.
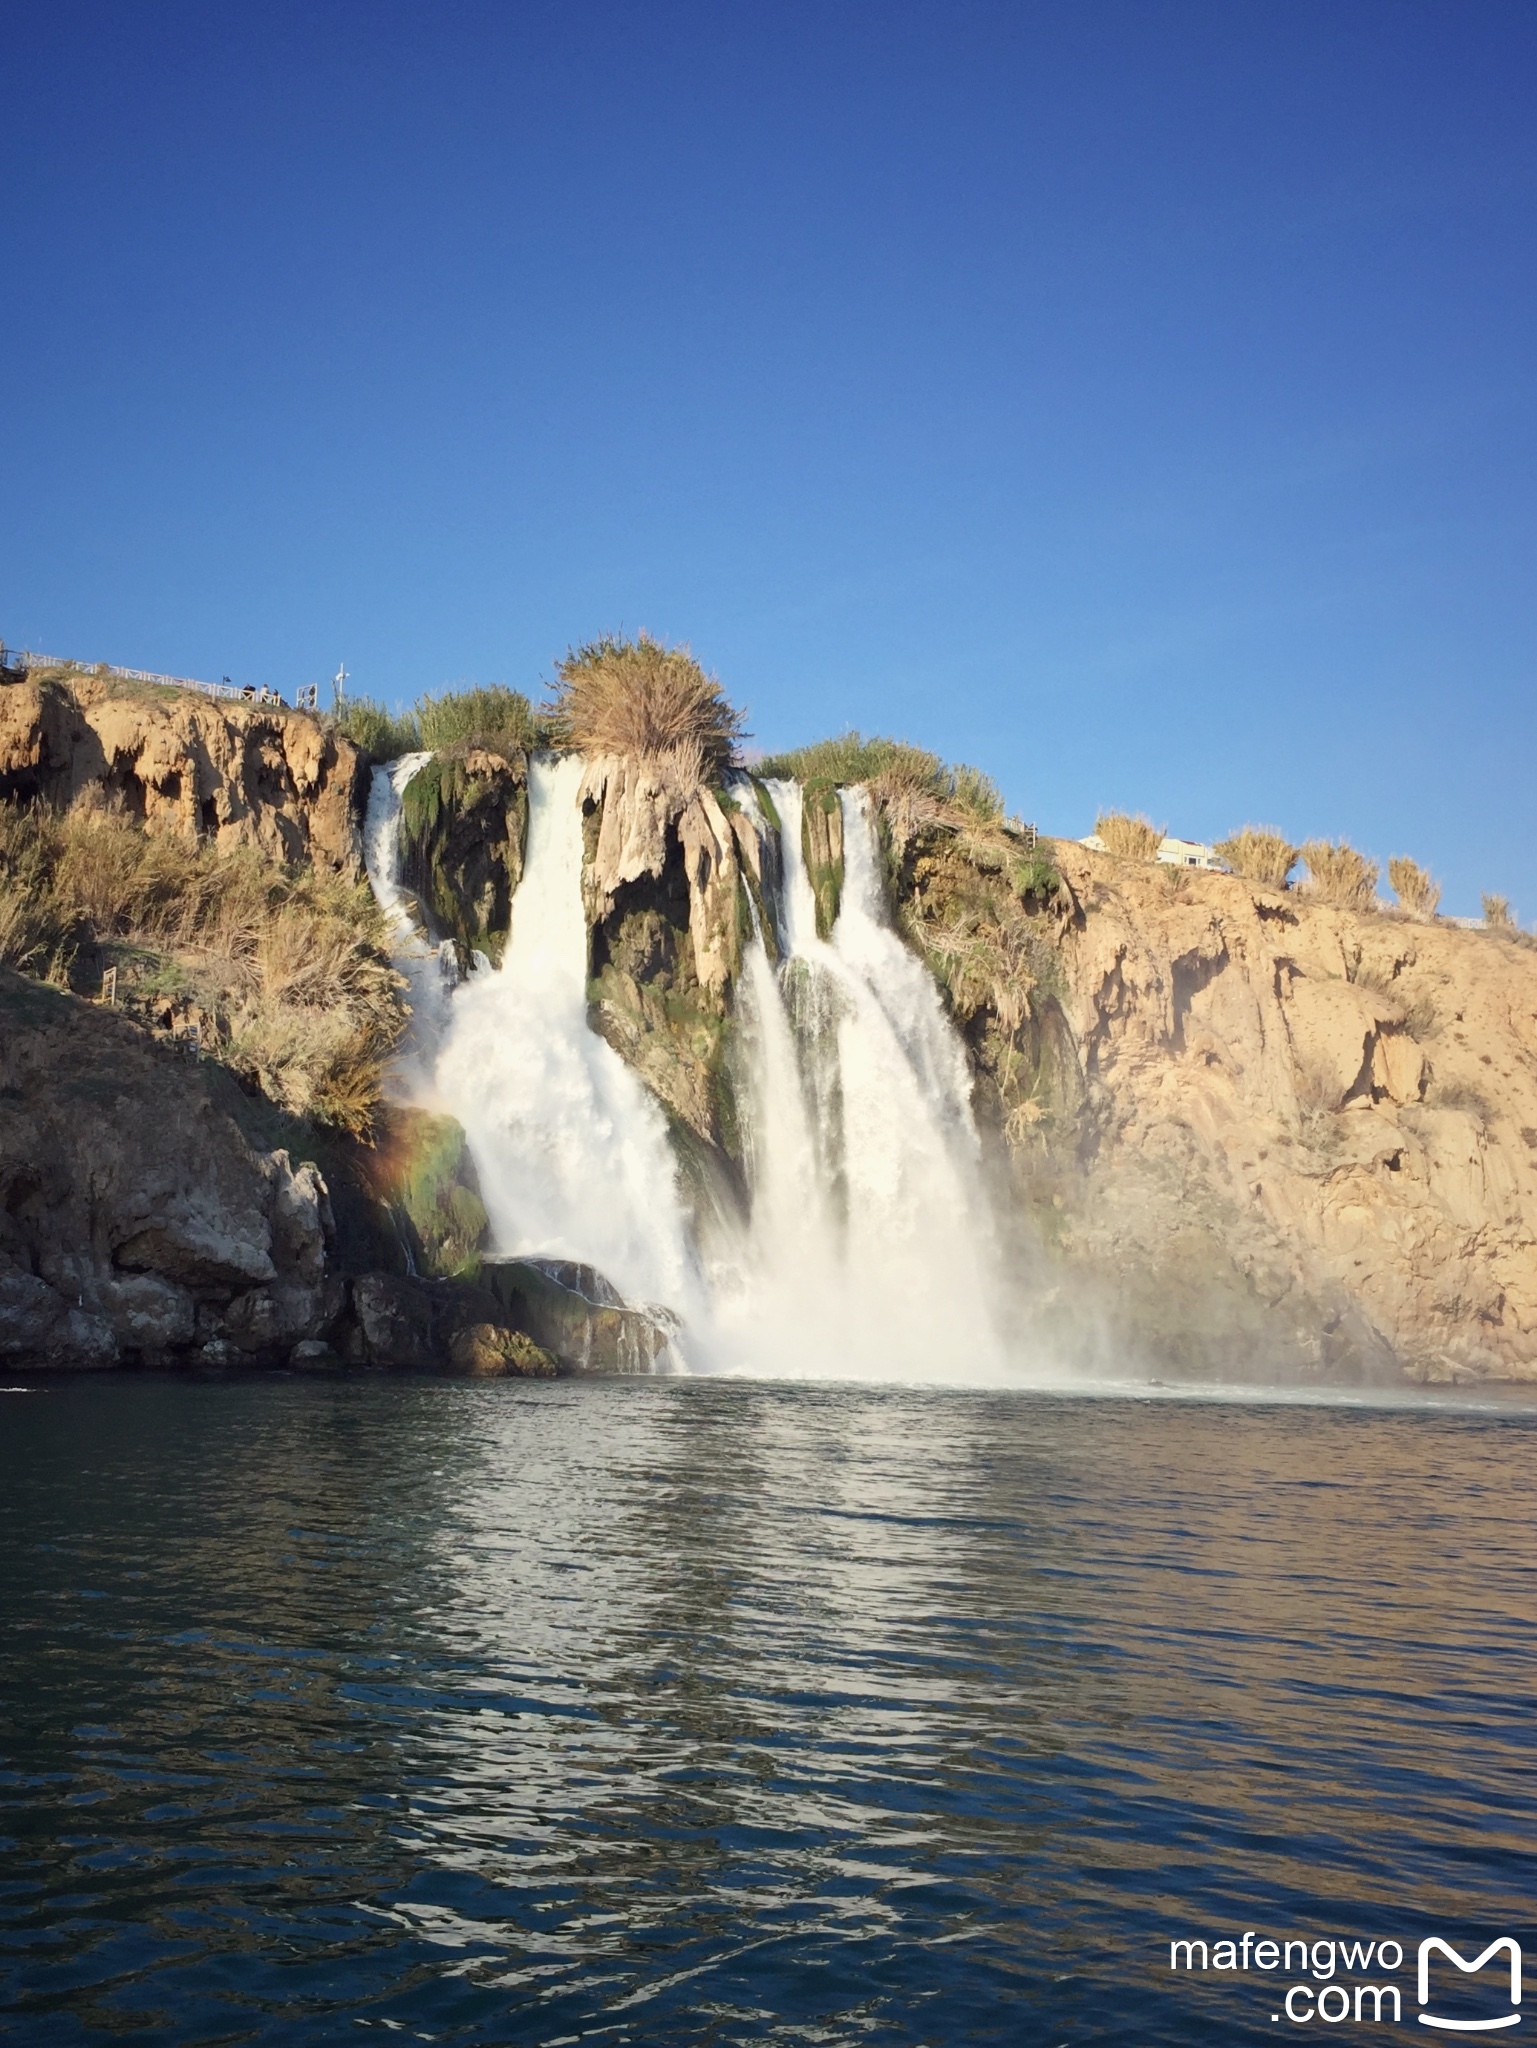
577	1316
491	1351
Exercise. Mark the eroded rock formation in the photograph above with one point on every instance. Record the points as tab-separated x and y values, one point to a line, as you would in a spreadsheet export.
208	769
1248	1117
664	887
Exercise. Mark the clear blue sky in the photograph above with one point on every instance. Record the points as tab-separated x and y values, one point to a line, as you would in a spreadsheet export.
1136	399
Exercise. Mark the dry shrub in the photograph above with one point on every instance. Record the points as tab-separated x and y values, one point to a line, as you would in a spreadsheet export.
1497	914
1339	875
33	933
288	969
1260	855
1413	887
639	698
1128	838
985	959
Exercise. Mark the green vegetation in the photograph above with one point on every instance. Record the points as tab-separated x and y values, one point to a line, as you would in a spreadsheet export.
976	795
426	1167
500	720
822	851
852	758
888	766
640	698
464	820
1260	854
284	971
1414	888
1129	838
382	734
1338	875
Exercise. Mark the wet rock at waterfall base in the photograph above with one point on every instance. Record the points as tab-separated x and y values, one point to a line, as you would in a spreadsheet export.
578	1316
490	1351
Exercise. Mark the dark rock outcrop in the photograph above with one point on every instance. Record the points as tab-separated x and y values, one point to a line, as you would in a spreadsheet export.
578	1316
137	1223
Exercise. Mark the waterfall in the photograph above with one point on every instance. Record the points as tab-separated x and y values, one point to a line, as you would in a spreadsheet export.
872	1244
869	1251
431	971
571	1151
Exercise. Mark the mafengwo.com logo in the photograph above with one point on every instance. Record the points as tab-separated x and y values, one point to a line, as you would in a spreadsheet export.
1356	1983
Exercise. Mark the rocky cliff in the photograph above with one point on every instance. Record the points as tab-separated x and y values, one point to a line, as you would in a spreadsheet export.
665	883
464	825
1224	1121
1235	1115
211	770
136	1221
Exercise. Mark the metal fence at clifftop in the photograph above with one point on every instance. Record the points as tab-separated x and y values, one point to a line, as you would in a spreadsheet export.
20	659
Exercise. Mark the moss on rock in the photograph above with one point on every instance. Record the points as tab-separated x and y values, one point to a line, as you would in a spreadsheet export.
822	846
463	831
423	1173
986	912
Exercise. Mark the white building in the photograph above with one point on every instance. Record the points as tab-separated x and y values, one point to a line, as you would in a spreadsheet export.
1177	853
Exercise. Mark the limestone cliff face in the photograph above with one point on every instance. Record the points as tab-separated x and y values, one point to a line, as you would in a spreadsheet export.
1258	1118
664	888
227	773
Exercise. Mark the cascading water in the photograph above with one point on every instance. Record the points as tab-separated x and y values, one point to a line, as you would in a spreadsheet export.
869	1251
571	1152
431	971
871	1237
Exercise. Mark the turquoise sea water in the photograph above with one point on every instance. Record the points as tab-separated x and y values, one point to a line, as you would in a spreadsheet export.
712	1712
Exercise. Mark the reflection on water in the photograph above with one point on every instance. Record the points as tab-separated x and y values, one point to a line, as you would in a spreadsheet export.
715	1712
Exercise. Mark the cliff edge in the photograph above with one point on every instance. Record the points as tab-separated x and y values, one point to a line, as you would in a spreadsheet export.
1246	1115
213	772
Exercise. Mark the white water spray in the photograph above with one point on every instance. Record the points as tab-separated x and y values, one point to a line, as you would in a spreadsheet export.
571	1152
872	1243
869	1252
432	972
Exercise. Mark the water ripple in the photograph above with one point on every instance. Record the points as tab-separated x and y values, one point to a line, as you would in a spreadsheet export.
714	1712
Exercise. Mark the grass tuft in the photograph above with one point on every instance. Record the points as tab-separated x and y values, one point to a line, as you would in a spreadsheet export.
1498	914
1414	888
852	758
1260	855
500	720
1129	838
1337	874
381	734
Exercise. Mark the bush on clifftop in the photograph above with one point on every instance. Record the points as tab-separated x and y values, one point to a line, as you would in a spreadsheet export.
1337	874
382	734
500	720
1260	855
640	698
1128	838
1414	888
893	770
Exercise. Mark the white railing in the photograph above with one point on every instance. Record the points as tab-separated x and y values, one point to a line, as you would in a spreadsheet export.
249	693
